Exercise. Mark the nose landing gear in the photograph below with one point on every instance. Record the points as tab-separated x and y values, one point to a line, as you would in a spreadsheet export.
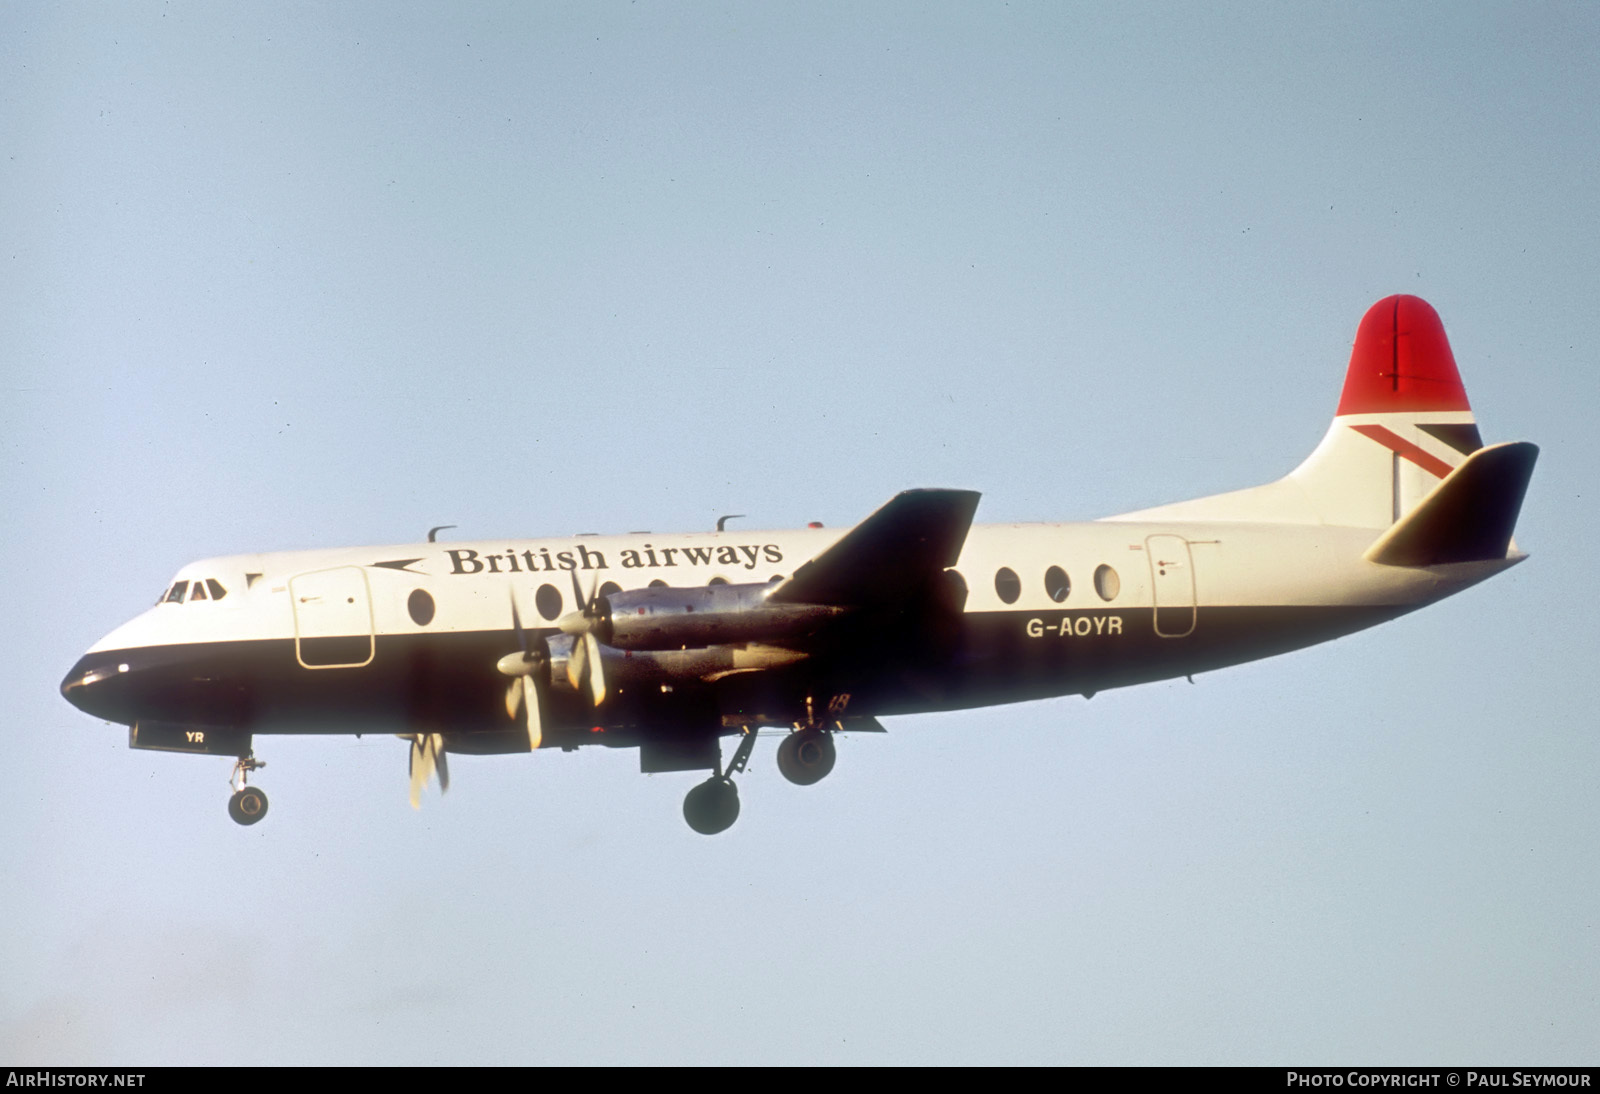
249	803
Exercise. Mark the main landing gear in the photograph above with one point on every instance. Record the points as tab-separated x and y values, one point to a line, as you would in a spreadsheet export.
249	803
713	806
805	757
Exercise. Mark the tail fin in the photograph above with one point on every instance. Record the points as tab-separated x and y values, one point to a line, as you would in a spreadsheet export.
1403	424
1403	421
1469	517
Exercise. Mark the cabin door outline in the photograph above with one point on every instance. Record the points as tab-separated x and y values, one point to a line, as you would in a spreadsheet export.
1172	585
333	626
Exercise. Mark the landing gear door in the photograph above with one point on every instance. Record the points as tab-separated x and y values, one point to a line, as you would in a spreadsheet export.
1172	581
332	618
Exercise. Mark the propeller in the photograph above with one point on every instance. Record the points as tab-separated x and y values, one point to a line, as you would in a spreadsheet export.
427	756
522	694
585	661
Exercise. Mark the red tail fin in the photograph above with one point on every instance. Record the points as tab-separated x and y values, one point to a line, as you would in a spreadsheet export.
1401	361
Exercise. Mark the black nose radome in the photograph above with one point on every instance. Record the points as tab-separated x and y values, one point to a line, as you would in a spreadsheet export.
94	684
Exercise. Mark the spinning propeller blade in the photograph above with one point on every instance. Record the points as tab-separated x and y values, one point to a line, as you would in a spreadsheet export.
523	692
585	662
597	676
427	757
530	699
576	663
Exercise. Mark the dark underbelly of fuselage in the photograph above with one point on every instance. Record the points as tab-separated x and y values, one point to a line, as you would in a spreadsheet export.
449	682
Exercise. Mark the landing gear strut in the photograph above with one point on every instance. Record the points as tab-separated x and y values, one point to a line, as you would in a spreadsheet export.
249	803
713	806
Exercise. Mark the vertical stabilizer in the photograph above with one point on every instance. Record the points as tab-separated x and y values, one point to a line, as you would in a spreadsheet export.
1403	423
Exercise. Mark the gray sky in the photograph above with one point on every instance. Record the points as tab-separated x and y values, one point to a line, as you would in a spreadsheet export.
298	275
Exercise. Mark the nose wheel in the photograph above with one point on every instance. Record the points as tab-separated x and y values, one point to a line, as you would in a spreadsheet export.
249	803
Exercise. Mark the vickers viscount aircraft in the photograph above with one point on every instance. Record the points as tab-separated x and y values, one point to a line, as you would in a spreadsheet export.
669	643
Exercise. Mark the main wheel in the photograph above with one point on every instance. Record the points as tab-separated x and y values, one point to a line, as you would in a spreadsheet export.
806	757
248	805
712	806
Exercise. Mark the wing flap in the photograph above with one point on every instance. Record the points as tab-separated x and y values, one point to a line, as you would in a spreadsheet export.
892	555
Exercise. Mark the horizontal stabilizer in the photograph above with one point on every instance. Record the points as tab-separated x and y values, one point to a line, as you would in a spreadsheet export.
893	554
1469	517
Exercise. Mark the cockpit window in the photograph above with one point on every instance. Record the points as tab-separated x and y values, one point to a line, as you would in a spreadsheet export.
208	589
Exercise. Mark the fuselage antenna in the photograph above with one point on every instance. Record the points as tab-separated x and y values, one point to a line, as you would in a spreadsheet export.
433	533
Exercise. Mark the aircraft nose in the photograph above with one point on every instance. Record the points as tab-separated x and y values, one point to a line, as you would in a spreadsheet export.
85	685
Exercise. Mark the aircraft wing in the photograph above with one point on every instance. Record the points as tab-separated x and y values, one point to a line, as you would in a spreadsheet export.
893	555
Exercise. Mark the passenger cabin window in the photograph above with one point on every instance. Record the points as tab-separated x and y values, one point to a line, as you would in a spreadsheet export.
1007	585
548	601
1107	583
420	605
1057	584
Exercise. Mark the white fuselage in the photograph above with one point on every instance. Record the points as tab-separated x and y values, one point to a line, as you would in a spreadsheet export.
1091	605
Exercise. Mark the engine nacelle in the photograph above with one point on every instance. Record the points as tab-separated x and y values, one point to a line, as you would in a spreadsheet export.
626	670
704	615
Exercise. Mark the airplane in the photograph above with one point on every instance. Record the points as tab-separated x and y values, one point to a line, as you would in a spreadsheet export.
670	643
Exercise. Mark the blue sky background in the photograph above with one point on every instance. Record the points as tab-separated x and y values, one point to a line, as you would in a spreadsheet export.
285	276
